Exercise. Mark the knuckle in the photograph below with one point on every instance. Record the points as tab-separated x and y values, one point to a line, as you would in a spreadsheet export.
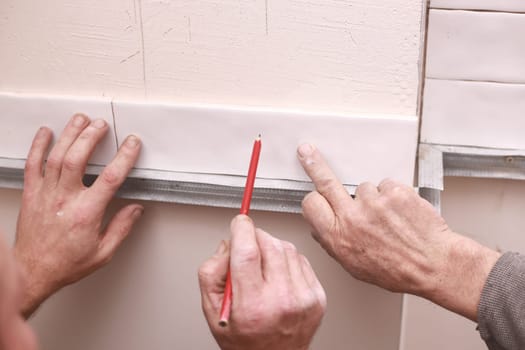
106	259
31	165
111	178
247	255
53	162
289	247
206	271
82	217
71	163
326	183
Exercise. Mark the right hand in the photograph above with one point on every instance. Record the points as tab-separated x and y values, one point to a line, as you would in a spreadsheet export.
278	302
391	237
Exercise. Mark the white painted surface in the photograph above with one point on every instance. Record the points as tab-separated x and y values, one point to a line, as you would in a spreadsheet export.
329	55
470	45
148	297
474	114
22	115
84	47
490	211
323	55
218	140
495	5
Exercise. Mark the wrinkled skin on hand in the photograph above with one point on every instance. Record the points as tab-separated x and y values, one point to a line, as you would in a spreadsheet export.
60	234
278	302
391	237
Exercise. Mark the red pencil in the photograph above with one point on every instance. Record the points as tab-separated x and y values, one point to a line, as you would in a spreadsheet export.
245	209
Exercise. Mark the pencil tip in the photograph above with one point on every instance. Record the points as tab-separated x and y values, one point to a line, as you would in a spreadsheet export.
259	137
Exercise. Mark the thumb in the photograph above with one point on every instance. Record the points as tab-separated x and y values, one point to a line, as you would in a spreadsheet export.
118	229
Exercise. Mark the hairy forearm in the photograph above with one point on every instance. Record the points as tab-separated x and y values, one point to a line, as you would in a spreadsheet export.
461	276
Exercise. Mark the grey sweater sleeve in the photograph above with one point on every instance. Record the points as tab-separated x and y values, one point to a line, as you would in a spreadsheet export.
501	310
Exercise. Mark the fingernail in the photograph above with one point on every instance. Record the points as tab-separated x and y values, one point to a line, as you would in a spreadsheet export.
137	213
221	249
79	120
132	141
305	150
99	123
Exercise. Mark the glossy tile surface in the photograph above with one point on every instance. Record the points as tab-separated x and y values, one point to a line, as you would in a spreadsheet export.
474	114
476	45
22	115
218	140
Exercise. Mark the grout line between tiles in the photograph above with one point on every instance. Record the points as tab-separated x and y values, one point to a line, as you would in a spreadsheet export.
114	123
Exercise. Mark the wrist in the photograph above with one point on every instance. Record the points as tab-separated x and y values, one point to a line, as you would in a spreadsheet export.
461	275
37	288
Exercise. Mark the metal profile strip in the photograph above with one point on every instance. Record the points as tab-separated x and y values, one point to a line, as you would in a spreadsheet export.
184	188
437	161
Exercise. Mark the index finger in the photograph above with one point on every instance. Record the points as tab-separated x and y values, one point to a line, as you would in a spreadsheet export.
114	174
245	256
323	177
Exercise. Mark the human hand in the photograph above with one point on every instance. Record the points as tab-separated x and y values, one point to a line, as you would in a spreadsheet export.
60	234
278	302
15	332
391	237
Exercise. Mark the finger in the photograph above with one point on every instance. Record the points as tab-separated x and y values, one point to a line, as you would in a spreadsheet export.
117	230
212	281
320	215
78	155
295	270
212	273
366	191
273	258
33	172
56	157
245	260
115	173
312	281
323	177
388	185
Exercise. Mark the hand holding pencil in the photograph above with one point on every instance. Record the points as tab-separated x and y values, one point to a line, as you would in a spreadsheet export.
278	301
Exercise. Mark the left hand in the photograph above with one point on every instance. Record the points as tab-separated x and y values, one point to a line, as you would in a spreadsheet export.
60	235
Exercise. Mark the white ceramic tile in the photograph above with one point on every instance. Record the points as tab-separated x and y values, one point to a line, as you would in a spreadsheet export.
474	114
318	54
474	45
496	5
218	140
73	47
22	115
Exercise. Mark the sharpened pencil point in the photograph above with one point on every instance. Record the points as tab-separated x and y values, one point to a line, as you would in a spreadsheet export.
258	137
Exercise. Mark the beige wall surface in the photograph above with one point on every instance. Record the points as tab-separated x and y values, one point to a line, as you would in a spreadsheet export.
148	297
341	56
489	211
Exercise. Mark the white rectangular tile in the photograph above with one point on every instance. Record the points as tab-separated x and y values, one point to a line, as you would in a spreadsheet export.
218	140
474	45
74	47
495	5
22	115
474	114
318	54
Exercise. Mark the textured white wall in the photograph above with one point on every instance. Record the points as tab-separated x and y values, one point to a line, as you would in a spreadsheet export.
343	56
